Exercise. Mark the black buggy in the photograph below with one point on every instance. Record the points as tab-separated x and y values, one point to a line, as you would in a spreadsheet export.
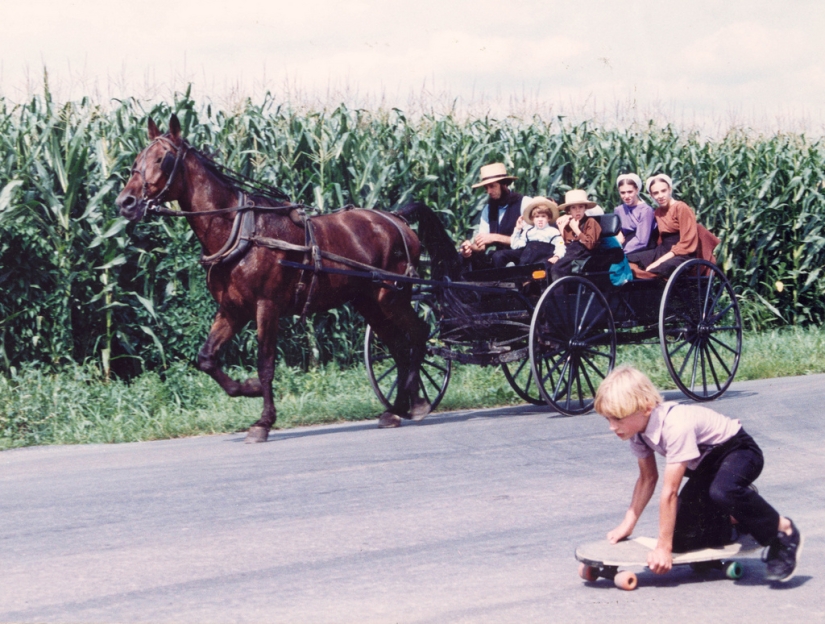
555	342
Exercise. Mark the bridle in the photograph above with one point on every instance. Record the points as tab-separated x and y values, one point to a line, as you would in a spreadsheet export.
169	166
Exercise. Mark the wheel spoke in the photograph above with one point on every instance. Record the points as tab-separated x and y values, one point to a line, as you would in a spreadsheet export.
706	350
587	377
687	358
423	387
391	369
717	317
594	366
695	366
719	357
426	373
708	290
432	364
677	349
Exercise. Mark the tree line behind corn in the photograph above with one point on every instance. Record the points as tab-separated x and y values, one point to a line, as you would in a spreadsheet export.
77	284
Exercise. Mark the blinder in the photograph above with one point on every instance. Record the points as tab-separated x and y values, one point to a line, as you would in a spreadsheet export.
168	164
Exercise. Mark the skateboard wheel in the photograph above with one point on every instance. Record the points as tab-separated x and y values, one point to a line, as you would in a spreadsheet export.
734	570
625	580
588	573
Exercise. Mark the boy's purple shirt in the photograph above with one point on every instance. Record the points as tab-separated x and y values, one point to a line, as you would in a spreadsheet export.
639	219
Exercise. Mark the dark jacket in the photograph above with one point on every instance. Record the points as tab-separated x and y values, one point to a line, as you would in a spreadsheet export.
511	204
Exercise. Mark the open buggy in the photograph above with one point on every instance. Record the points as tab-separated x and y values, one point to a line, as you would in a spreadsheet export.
555	342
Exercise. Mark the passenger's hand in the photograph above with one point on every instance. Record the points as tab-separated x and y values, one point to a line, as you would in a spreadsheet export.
520	223
482	240
561	222
620	237
466	249
660	560
553	260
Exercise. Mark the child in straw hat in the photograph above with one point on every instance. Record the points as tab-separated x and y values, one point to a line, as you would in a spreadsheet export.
579	232
534	237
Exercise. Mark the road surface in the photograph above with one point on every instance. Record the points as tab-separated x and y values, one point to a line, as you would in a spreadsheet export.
464	517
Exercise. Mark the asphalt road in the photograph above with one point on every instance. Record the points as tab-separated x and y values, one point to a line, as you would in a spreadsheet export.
463	517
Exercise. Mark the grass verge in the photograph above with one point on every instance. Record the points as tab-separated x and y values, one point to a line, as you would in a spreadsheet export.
75	406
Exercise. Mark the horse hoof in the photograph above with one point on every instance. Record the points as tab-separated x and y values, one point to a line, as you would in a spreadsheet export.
388	420
420	409
256	434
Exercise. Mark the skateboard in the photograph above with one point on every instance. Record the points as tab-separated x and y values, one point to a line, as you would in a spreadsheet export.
603	559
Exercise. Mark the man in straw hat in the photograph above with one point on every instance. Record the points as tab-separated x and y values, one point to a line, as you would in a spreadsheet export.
535	238
498	218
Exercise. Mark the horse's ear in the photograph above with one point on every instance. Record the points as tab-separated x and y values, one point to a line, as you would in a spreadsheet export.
174	127
154	133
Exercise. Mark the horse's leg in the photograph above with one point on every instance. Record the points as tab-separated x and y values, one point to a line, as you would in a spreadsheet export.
416	329
223	328
405	334
397	345
267	320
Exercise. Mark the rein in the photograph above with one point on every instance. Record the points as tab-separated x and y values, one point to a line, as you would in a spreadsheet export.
243	230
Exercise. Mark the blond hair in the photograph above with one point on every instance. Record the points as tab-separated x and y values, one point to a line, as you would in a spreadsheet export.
626	391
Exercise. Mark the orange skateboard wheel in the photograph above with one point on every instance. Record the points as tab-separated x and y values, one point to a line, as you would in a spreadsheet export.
588	573
626	580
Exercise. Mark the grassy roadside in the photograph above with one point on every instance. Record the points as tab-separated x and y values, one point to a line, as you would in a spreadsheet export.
76	407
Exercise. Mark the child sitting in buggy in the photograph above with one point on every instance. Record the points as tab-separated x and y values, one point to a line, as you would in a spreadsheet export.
534	237
579	232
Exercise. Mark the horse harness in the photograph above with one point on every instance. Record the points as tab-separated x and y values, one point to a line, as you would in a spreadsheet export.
243	232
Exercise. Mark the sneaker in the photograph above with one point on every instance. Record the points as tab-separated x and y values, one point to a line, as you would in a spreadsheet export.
782	555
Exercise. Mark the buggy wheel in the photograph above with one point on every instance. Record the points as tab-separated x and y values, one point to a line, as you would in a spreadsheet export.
520	376
383	372
700	330
572	344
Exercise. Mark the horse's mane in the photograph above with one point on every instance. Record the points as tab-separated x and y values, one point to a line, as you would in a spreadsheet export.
459	305
239	182
446	261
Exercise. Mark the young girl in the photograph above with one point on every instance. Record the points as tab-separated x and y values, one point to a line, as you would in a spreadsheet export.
579	232
678	235
720	461
534	237
638	222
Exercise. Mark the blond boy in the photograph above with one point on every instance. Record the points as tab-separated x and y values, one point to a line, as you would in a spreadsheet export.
720	461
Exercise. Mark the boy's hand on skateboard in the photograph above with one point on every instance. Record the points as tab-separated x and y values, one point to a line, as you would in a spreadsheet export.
660	561
621	532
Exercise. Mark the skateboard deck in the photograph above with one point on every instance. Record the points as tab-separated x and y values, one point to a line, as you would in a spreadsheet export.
603	559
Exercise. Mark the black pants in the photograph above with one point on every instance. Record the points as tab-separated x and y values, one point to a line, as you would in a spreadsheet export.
717	490
649	256
575	254
533	252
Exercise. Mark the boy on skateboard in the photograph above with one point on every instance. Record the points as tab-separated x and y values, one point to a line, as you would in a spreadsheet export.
719	459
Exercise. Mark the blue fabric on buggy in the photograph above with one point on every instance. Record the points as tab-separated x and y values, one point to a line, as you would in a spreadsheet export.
620	272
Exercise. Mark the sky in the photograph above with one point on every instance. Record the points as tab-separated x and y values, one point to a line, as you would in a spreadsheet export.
754	60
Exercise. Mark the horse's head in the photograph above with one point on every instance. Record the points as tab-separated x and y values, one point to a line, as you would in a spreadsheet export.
154	172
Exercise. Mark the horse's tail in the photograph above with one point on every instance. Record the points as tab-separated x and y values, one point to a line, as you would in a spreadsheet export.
445	260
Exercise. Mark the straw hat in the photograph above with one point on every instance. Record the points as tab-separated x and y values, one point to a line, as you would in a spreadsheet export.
496	172
535	203
576	196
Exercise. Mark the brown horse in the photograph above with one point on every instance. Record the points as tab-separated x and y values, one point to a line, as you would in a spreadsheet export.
248	243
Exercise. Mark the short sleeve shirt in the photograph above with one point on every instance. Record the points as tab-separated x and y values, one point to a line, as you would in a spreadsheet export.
683	433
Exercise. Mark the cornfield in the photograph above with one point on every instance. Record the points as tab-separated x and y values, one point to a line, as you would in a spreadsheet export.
79	284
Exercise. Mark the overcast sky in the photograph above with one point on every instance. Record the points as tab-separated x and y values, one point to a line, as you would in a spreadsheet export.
748	57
